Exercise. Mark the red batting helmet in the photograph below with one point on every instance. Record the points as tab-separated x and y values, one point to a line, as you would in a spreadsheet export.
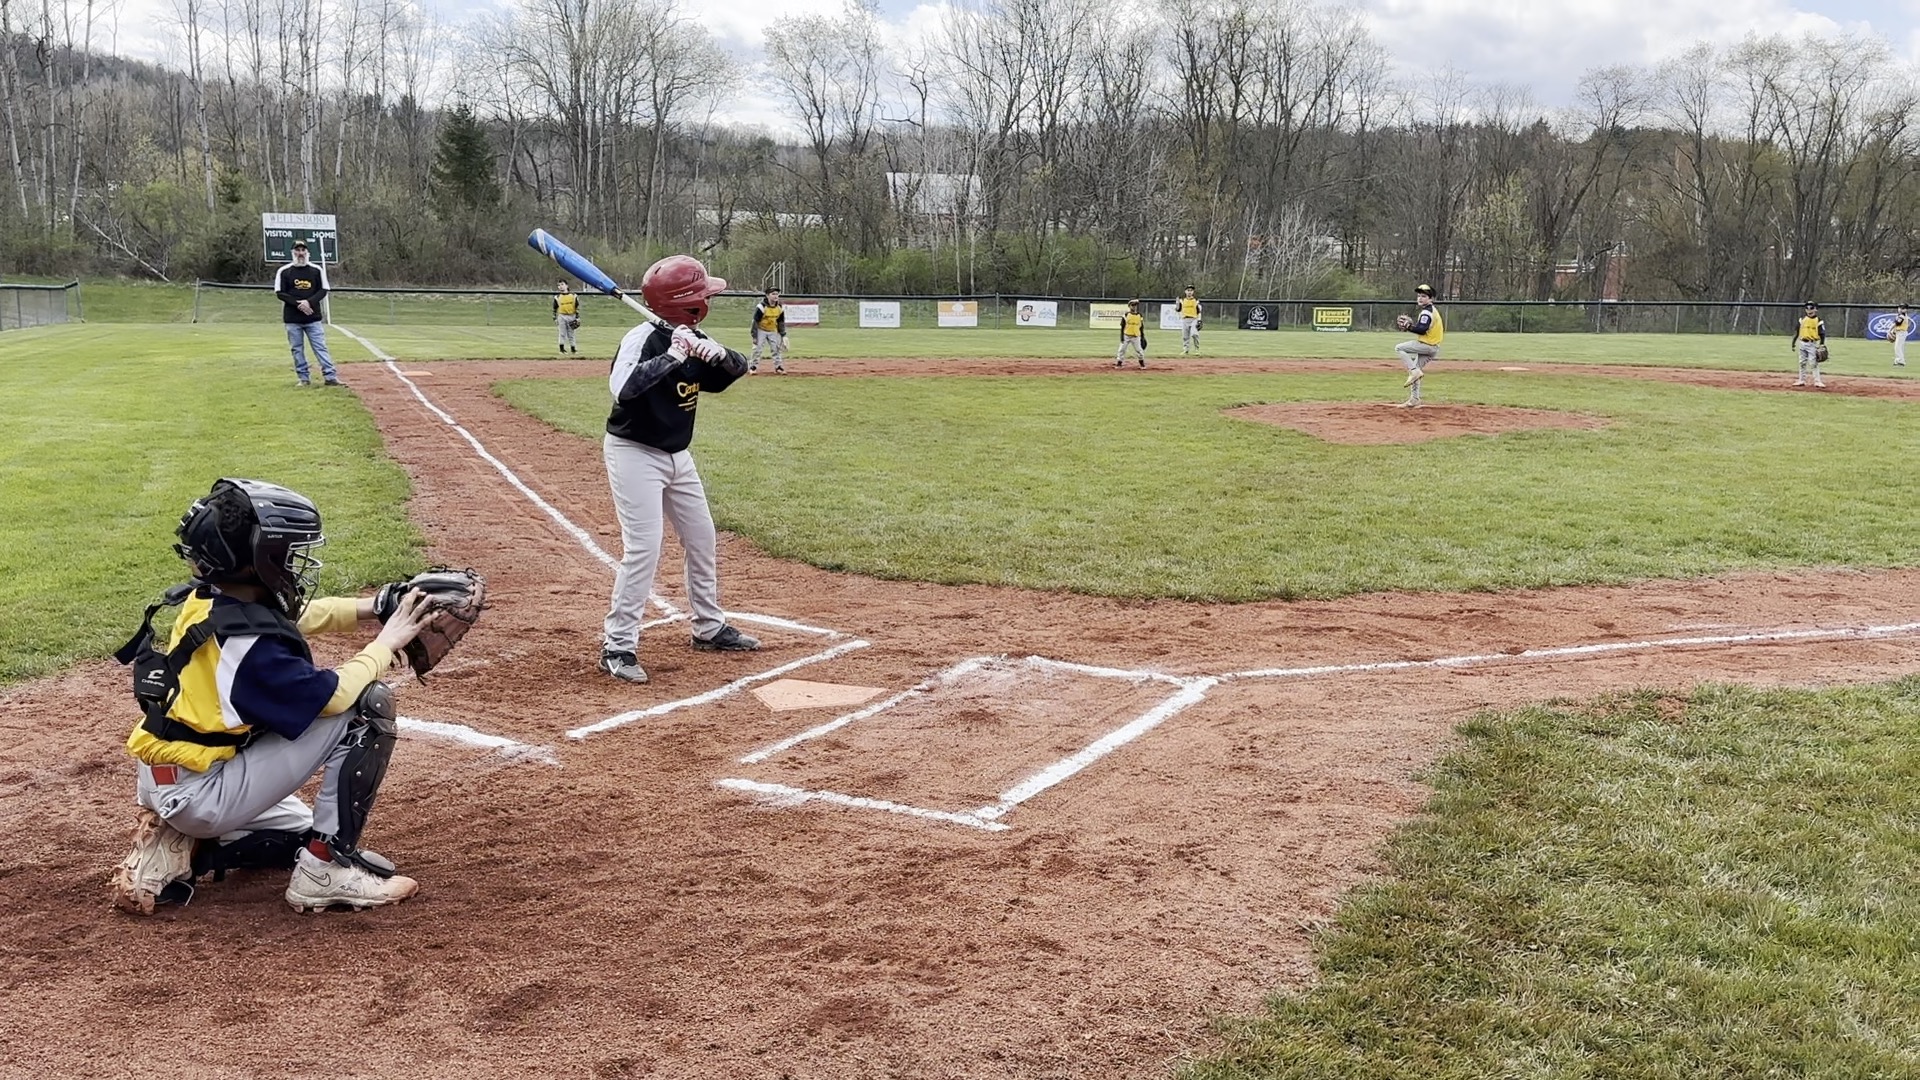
677	289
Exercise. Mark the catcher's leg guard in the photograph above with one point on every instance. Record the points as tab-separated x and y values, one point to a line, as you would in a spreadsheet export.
369	740
270	849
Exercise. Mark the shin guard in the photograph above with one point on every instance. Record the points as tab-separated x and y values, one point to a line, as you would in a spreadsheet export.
369	740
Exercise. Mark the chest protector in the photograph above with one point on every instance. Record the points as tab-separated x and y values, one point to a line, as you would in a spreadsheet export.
156	669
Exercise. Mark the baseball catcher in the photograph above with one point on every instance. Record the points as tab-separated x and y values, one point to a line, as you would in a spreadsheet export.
1810	345
237	717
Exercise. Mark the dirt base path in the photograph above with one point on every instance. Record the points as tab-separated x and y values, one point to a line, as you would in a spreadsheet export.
617	913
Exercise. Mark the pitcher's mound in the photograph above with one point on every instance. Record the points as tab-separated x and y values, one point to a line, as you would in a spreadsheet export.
1373	424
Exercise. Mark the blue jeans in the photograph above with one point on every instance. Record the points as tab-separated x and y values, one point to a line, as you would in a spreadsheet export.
301	334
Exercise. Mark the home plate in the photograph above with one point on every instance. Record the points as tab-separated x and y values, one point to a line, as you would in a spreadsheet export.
785	695
415	374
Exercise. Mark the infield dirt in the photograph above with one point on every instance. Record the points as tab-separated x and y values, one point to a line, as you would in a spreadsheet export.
618	914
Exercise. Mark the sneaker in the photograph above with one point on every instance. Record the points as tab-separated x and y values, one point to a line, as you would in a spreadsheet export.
1799	382
333	382
319	884
623	666
161	856
727	639
1143	361
779	369
1414	376
1818	385
753	367
303	384
1119	363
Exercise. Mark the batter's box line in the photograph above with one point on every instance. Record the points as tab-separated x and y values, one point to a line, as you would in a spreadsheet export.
734	687
466	736
1188	691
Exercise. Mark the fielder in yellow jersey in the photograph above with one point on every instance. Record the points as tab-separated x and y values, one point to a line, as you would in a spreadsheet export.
1898	333
1809	340
566	316
1133	336
1429	330
1189	307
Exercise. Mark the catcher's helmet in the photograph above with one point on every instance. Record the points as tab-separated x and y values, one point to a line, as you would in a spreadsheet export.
255	533
677	289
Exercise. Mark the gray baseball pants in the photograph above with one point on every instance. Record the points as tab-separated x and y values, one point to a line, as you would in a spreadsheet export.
651	486
1130	345
258	787
1189	335
565	324
776	347
1900	350
1416	354
1808	366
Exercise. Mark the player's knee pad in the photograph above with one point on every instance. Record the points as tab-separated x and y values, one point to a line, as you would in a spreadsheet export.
369	740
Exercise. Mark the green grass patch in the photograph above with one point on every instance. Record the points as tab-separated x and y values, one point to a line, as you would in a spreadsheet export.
108	435
1640	887
1141	487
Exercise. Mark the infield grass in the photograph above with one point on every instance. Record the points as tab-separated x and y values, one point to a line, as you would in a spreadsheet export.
108	436
1139	486
1639	888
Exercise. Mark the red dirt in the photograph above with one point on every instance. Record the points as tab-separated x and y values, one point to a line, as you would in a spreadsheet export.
620	915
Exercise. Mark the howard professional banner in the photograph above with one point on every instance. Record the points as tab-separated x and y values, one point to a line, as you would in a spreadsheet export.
1105	316
1259	317
803	312
1036	313
959	313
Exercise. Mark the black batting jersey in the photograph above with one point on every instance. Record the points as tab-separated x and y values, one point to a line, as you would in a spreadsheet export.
660	415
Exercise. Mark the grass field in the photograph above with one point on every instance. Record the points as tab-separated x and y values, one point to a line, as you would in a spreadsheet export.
1136	487
105	440
1639	888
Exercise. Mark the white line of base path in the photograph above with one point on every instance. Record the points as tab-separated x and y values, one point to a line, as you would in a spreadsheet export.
625	718
782	792
461	733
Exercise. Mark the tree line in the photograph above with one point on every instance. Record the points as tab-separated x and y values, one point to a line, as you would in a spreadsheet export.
1252	147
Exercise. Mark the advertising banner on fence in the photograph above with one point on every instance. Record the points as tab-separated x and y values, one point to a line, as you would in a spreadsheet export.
1880	326
959	313
1334	320
880	314
1036	313
1170	317
1105	316
1258	317
803	312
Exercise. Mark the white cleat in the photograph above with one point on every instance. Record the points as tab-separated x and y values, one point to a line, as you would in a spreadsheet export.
161	855
320	884
1414	376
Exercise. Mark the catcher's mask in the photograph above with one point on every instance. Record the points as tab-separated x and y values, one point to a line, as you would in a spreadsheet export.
250	532
678	287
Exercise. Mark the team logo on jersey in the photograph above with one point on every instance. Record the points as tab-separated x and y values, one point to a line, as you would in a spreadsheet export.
689	395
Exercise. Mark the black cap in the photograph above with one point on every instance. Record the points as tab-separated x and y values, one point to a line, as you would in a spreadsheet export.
1423	289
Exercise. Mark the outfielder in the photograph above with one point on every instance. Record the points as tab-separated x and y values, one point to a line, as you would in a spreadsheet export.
1133	336
566	316
1189	308
238	717
1810	344
1429	329
657	379
770	331
1898	332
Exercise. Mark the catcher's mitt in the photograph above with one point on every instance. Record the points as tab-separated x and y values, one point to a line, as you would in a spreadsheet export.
1820	355
1404	322
458	597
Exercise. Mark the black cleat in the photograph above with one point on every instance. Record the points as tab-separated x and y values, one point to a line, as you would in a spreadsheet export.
727	639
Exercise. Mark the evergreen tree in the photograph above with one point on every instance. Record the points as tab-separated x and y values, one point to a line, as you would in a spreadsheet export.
463	179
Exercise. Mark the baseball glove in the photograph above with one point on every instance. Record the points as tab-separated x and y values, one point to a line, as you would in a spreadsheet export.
458	598
573	323
1820	355
1404	322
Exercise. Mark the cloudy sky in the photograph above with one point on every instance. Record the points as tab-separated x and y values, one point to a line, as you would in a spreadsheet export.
1541	44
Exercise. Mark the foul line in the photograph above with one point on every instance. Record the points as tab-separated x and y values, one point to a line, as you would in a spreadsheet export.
716	694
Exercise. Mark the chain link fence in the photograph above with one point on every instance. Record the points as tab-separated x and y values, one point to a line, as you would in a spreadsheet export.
22	306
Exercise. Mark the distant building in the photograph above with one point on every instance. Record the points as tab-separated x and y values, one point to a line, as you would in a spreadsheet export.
935	194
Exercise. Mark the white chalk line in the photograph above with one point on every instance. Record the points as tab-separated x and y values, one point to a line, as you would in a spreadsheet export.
461	733
625	718
783	793
1194	689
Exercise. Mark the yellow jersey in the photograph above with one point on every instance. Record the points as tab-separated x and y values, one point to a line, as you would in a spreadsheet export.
1901	325
1436	329
1811	328
1131	324
770	315
566	304
1189	307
